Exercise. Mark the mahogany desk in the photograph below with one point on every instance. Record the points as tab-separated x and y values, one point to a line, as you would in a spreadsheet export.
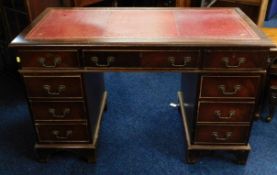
220	53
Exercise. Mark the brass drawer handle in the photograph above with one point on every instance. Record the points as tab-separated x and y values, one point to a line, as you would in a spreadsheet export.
47	88
241	60
56	61
219	115
95	59
52	111
185	61
56	133
234	92
217	137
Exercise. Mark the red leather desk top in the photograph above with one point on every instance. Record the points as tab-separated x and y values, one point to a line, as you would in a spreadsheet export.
76	24
204	27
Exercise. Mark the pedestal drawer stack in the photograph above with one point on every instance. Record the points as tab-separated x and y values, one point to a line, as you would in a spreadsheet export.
226	103
225	109
57	101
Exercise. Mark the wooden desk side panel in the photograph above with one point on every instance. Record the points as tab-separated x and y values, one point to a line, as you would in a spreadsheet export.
94	88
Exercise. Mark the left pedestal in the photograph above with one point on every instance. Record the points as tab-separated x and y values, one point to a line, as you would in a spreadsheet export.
66	109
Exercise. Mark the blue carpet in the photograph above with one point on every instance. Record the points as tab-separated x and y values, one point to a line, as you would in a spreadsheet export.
272	22
140	134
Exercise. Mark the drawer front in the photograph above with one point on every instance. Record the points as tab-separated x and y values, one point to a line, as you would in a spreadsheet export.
53	87
170	59
56	111
234	59
229	86
155	59
212	134
111	59
49	59
62	133
225	112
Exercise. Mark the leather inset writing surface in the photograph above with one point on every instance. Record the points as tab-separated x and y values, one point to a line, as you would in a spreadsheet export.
178	25
213	24
136	24
70	24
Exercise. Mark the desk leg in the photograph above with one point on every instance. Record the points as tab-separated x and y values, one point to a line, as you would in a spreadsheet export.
43	155
271	104
192	156
242	157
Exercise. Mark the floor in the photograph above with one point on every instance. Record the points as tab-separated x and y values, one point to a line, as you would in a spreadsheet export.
272	22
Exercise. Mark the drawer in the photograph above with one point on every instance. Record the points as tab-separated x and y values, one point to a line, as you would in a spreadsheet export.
53	86
229	86
111	59
58	110
169	59
234	59
225	111
155	59
51	59
213	134
62	132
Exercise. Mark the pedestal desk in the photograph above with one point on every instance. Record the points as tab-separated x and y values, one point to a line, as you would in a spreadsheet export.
220	53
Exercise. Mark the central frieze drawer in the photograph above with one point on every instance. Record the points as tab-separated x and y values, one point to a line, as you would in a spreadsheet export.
49	59
53	86
218	134
229	86
58	110
234	59
62	132
225	112
155	59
